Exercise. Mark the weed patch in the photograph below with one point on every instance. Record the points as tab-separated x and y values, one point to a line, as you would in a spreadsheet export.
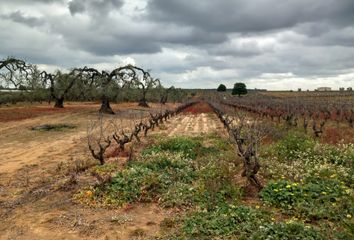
239	222
53	127
189	147
311	181
179	172
318	199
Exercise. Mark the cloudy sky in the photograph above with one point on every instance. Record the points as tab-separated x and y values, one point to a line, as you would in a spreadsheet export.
273	44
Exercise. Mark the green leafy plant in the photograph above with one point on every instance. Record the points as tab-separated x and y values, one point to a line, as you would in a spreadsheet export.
228	220
148	177
187	146
317	199
287	231
289	147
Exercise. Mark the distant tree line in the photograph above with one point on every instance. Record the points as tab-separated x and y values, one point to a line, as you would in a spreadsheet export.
239	89
125	83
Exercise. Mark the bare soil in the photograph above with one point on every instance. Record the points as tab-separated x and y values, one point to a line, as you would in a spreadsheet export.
193	124
41	171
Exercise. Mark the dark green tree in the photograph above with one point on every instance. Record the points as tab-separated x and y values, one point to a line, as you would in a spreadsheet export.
239	89
221	88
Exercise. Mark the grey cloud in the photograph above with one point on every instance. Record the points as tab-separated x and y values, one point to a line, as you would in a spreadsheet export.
313	29
250	16
240	48
342	37
109	46
24	43
189	36
110	38
106	41
94	7
38	1
76	7
324	34
19	17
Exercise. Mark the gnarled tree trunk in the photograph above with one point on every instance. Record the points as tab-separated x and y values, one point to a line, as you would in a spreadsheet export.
105	106
59	102
142	101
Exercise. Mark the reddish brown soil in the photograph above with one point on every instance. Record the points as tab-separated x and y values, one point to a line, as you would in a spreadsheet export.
17	113
199	108
21	113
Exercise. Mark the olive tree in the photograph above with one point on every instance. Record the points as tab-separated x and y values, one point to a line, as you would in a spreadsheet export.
144	82
87	85
15	72
114	81
60	84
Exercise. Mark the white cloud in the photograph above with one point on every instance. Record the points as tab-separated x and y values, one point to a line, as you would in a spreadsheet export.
287	75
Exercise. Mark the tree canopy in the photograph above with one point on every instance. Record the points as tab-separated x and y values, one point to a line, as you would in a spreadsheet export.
221	88
239	89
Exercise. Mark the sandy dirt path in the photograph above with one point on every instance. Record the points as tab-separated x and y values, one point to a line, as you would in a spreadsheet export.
193	124
20	146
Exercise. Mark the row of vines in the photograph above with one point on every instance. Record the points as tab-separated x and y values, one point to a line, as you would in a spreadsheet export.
101	135
313	113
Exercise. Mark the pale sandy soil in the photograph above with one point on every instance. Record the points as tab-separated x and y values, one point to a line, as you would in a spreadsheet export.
193	124
35	200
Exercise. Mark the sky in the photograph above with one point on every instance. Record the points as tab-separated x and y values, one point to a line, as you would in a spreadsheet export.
268	44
